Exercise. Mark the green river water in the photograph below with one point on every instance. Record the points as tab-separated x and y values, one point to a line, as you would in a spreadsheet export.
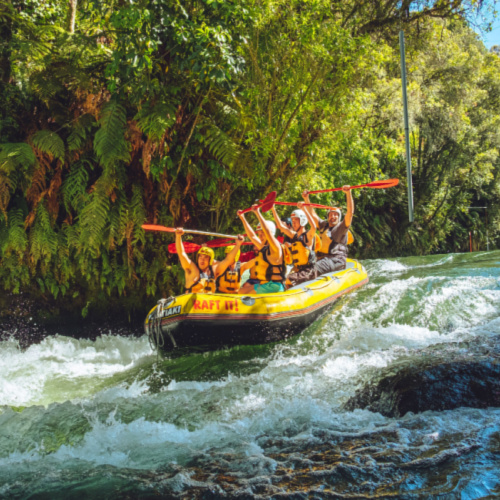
108	419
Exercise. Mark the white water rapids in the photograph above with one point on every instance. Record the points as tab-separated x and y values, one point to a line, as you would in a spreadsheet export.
106	417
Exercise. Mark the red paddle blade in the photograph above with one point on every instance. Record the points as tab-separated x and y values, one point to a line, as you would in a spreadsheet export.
220	242
314	205
268	202
265	204
374	185
154	227
382	184
189	247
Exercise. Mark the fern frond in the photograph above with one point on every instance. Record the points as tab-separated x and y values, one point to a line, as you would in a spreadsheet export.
15	156
138	213
155	120
221	145
109	141
16	162
80	133
18	239
49	143
118	219
43	239
45	87
94	217
74	187
72	236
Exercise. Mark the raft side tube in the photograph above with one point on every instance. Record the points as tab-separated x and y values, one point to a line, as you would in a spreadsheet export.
213	321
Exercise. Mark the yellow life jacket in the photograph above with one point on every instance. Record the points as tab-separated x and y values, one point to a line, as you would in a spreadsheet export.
317	243
325	241
302	255
287	254
264	271
230	281
205	283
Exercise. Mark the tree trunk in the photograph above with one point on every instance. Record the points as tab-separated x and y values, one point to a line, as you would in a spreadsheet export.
72	15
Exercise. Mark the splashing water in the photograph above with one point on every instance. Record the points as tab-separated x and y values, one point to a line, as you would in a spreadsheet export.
106	417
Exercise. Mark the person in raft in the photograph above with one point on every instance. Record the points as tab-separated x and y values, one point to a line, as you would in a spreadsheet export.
301	245
230	280
201	275
268	270
333	232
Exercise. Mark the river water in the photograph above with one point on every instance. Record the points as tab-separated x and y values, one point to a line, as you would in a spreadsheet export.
108	419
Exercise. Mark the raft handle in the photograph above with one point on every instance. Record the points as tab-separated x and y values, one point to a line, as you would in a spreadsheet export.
248	301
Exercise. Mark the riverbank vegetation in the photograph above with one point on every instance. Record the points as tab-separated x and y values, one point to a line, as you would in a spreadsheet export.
117	113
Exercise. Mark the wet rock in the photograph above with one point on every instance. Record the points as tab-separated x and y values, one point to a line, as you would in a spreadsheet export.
454	376
28	318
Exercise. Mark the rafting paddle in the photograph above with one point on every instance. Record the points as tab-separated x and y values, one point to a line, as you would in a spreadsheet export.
265	205
294	204
373	185
154	227
190	247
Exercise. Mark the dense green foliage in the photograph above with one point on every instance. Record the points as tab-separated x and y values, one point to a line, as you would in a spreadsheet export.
182	112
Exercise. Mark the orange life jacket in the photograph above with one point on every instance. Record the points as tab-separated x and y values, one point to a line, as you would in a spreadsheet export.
264	271
230	281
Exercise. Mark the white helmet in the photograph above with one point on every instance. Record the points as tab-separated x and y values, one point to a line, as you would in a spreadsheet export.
270	225
338	211
299	214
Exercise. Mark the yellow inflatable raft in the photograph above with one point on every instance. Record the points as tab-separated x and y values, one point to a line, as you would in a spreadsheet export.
213	321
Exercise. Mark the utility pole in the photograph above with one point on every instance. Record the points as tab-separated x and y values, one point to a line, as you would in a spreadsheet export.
407	126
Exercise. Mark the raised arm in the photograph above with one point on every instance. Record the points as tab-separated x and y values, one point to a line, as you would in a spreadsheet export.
220	267
279	224
310	210
249	231
186	262
274	244
312	222
350	205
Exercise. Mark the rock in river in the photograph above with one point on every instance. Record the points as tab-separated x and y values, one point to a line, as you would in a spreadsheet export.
445	377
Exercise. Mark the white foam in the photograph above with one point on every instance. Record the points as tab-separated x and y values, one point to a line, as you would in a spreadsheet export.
390	266
344	368
62	368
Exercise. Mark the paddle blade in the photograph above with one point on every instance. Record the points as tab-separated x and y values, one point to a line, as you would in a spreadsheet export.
189	247
246	256
373	185
350	237
154	227
268	202
383	184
